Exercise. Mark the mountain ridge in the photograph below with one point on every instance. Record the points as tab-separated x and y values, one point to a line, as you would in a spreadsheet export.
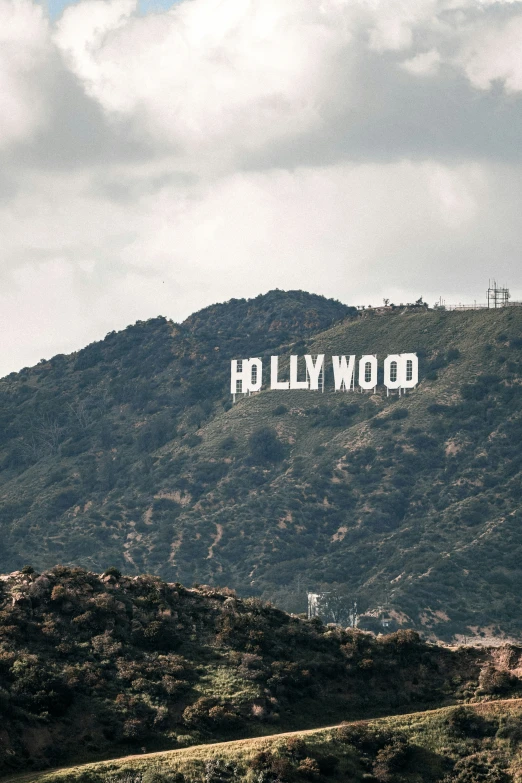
130	453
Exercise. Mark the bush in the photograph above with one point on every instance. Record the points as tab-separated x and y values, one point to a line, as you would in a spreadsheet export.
399	413
391	759
62	501
494	681
222	717
327	764
219	770
296	747
206	713
362	737
464	722
510	729
260	761
453	354
114	572
309	768
154	776
479	768
129	776
270	767
228	443
265	446
133	729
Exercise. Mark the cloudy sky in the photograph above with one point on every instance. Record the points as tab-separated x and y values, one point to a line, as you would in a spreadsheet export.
157	157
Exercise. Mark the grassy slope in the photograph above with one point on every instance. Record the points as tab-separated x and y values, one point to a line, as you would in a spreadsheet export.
114	456
479	745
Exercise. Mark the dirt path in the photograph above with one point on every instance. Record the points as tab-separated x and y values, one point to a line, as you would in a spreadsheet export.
34	777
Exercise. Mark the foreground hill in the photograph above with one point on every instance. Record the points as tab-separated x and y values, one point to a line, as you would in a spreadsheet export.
129	453
474	744
94	666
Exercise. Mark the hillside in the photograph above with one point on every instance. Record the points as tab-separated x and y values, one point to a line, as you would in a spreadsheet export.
101	666
479	744
129	453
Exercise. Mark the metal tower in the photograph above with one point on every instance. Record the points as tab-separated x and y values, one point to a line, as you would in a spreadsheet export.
497	297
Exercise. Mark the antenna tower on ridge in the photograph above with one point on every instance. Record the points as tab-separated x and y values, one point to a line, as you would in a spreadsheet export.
497	297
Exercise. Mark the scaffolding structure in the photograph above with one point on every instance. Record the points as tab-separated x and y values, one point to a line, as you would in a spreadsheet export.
497	296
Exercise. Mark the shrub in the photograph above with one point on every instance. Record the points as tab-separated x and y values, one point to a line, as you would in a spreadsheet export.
193	440
62	501
219	770
260	761
133	728
362	737
399	413
206	713
296	747
265	446
114	572
309	768
495	681
222	717
479	768
464	722
129	776
327	763
453	354
281	768
268	766
154	776
510	728
228	443
391	759
59	593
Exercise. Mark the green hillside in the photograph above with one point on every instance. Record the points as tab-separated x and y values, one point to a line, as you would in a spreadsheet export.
129	453
103	666
479	744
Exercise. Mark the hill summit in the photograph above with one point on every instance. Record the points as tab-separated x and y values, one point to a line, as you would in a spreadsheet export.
129	453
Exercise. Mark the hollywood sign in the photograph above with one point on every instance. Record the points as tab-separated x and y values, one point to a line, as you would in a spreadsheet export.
401	371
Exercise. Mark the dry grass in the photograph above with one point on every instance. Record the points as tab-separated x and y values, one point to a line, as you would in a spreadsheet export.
428	731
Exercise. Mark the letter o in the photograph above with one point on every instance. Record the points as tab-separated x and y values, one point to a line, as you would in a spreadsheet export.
368	372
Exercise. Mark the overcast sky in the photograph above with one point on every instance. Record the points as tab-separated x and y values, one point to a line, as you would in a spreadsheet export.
156	157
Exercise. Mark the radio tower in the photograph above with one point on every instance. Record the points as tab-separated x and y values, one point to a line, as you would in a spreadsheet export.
497	297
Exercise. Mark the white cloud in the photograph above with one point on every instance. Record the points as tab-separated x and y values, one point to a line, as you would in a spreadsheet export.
223	148
215	79
83	29
423	64
355	232
492	51
392	22
24	58
208	73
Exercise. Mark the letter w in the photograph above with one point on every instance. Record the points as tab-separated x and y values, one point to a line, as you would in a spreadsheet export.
343	372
